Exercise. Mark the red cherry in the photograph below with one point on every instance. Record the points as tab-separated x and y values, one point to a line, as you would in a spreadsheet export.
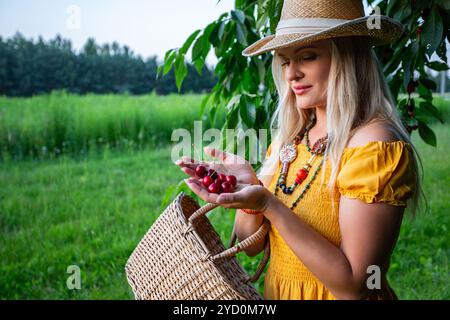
222	177
214	188
227	187
232	180
212	173
200	171
207	181
411	87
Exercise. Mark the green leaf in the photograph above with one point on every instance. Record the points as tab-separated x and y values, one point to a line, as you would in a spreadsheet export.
423	115
430	84
233	102
197	49
241	34
406	64
209	30
427	134
262	21
180	71
198	64
432	31
444	4
431	109
232	118
247	111
172	191
402	10
390	8
221	31
238	15
189	41
395	85
424	92
261	70
438	66
396	58
204	104
169	63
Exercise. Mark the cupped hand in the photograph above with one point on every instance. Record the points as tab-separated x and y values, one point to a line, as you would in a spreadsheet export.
245	196
226	163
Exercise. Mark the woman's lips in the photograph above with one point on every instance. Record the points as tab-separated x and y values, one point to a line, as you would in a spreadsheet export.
299	90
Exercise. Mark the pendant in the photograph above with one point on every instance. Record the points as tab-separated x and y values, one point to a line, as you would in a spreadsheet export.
288	153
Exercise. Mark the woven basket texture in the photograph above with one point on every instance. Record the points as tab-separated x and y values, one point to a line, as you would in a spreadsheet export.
173	261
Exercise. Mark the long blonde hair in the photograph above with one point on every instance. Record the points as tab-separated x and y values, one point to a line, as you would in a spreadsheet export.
357	94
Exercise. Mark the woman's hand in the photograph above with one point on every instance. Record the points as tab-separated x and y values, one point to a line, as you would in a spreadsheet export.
245	196
229	164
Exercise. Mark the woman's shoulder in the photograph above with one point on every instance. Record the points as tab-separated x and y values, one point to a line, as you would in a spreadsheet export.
373	132
375	166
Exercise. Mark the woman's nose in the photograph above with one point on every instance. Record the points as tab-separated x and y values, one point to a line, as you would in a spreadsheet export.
293	71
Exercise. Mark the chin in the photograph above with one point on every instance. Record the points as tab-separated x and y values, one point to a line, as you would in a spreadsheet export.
305	104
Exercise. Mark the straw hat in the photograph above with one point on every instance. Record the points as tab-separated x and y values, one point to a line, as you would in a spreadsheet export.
305	21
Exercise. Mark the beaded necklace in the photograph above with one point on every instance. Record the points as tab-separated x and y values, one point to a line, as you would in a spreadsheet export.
288	154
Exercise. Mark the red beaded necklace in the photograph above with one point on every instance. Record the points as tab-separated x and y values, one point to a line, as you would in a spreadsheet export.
288	154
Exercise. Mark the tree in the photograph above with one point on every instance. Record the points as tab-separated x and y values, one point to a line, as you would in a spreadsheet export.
28	68
251	103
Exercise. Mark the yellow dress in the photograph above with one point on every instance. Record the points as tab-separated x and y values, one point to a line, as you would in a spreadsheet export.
376	172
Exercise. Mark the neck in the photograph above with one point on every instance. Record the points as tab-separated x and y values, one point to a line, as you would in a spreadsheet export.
321	119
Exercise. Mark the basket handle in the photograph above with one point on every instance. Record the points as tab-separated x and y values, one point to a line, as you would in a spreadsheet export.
233	249
202	211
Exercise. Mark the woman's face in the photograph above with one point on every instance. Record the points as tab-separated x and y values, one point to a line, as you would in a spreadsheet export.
306	70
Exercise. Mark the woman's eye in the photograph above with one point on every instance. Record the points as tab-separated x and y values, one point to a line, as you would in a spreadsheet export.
309	57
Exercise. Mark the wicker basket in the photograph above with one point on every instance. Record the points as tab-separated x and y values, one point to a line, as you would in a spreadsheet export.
182	257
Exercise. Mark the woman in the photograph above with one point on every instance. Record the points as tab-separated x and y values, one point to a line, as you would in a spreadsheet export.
341	167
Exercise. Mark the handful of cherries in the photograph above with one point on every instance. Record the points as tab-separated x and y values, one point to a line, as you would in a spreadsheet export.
216	182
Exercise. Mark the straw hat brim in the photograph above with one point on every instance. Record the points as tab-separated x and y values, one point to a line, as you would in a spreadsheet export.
389	31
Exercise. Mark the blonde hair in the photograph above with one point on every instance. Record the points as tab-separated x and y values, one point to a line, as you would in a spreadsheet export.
357	94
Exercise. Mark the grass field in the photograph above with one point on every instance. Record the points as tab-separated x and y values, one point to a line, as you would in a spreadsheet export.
44	127
92	212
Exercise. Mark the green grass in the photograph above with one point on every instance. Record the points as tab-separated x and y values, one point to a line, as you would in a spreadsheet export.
92	212
59	123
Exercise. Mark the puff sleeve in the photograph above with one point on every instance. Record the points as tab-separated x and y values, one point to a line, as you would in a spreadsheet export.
377	172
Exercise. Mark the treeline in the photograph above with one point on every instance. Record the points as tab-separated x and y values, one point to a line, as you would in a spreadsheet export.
30	68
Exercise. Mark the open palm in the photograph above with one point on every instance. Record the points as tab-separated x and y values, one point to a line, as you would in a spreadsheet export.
226	163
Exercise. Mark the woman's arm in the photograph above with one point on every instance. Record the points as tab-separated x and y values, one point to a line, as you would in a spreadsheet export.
245	226
369	233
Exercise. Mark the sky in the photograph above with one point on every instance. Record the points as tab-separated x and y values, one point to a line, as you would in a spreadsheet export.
148	27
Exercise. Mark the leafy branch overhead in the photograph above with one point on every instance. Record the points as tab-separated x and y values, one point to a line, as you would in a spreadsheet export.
246	88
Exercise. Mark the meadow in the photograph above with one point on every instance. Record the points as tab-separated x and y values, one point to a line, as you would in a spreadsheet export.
46	126
91	208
